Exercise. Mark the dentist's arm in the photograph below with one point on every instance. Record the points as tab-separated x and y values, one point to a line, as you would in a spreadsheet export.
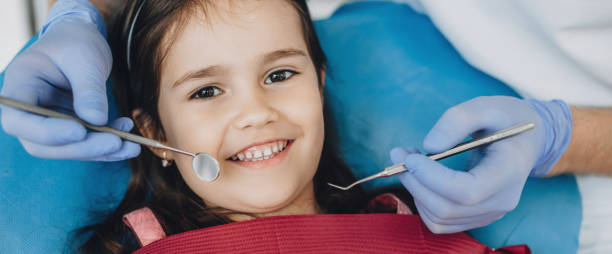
66	69
590	147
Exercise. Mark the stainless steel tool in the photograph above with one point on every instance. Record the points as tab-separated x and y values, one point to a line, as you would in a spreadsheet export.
399	168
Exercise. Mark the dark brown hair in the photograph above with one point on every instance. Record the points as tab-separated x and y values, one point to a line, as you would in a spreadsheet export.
163	190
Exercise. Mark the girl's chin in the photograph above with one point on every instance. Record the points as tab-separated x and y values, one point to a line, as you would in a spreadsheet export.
275	202
266	204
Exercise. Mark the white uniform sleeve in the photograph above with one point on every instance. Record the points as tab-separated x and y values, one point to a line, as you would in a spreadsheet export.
545	49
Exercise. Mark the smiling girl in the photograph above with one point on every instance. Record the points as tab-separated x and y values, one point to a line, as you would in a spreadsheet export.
242	81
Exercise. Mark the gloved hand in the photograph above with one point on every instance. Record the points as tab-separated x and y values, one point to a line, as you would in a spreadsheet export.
451	201
66	70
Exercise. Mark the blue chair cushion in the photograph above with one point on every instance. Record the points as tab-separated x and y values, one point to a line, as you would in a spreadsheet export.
391	74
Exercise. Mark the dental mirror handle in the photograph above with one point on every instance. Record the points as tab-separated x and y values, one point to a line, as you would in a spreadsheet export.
124	135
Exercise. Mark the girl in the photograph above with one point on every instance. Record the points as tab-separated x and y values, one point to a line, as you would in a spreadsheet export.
240	80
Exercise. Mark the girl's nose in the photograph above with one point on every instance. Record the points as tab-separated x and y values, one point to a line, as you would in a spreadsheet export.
256	112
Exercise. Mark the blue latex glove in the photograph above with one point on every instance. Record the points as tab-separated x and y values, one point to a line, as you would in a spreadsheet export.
66	70
451	201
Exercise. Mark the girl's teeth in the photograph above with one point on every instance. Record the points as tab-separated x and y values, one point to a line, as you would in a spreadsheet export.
258	155
267	152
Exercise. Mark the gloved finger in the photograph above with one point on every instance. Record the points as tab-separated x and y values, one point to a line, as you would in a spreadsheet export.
95	145
397	154
460	121
128	150
47	131
487	216
501	170
447	229
445	209
123	124
464	188
87	78
474	157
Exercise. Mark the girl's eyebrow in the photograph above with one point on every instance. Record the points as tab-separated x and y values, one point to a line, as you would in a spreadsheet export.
201	73
282	53
216	69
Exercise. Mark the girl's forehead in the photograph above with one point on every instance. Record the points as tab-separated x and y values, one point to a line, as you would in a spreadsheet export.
235	34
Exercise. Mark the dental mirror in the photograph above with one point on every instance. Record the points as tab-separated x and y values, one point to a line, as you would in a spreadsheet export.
204	165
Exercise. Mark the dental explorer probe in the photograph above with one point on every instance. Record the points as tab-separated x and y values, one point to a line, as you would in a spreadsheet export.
399	168
204	165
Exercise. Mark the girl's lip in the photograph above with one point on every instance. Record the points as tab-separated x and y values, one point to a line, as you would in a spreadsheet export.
272	162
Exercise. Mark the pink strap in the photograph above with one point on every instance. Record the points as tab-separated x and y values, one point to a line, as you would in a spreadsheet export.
145	225
390	203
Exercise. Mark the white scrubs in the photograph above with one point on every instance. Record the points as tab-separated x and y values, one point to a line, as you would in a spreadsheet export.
545	49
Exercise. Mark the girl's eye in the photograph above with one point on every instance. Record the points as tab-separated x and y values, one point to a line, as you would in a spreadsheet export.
279	76
206	92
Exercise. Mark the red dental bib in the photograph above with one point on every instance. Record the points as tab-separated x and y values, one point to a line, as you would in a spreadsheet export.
394	232
329	233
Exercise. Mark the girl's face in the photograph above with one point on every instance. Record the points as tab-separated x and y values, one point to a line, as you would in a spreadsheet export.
241	86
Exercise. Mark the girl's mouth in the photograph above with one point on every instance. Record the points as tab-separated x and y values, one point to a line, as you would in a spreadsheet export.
265	155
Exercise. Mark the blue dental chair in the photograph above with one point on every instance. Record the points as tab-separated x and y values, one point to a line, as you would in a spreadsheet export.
391	74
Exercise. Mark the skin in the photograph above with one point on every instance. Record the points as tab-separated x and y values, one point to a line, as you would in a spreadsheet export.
244	43
590	145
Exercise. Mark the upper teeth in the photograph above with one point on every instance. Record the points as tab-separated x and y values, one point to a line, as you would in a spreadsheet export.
261	152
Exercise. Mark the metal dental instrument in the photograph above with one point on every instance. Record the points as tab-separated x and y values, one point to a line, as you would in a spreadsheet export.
399	168
204	165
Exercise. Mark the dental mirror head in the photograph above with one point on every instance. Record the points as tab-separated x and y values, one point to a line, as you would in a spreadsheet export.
205	167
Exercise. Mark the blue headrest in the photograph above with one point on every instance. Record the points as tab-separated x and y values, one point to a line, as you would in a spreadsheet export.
391	74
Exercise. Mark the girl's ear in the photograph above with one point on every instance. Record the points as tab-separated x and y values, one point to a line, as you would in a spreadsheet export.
322	78
143	123
322	88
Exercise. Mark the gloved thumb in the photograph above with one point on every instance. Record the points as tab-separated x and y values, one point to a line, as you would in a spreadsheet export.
398	154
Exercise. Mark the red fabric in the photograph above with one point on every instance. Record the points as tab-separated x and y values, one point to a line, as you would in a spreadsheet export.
328	233
147	228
